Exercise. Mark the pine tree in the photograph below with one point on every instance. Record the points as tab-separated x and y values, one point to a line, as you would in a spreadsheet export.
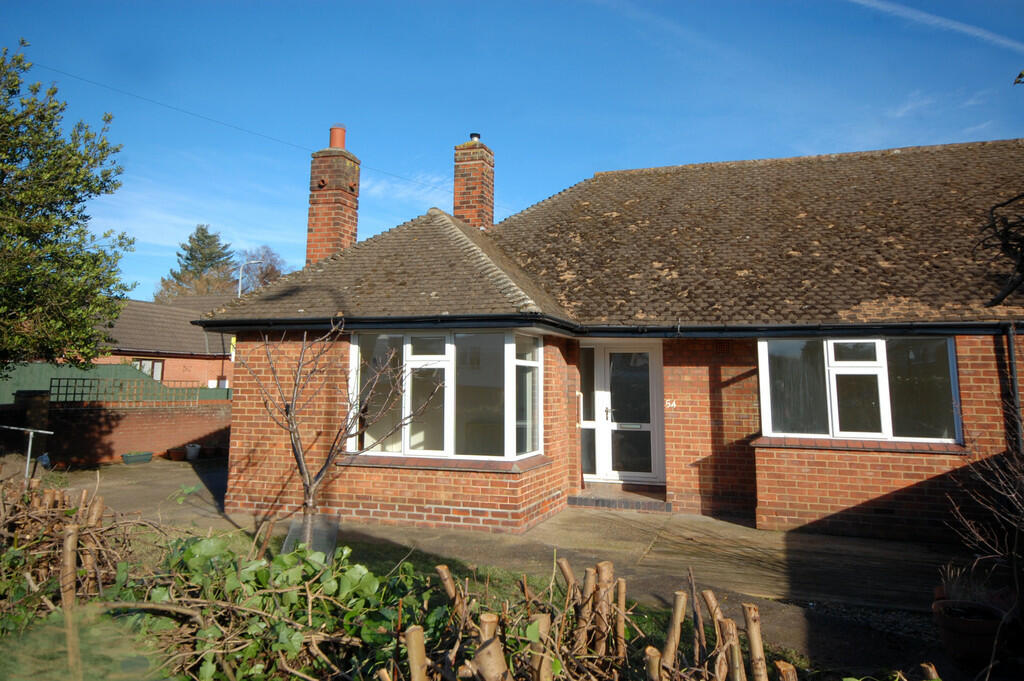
205	265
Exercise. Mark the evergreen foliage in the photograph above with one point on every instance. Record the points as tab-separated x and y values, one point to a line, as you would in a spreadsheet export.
205	265
60	283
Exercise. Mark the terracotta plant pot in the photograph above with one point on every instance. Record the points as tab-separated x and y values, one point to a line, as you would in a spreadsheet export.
968	631
176	454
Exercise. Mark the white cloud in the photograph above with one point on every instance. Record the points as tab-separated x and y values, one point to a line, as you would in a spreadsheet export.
919	17
914	101
974	129
422	188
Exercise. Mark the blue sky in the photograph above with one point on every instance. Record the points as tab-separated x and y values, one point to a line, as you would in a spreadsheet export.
559	90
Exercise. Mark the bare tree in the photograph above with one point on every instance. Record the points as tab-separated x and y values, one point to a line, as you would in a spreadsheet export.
269	268
291	383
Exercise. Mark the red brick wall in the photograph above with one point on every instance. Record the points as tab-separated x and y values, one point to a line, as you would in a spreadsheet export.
473	199
895	490
102	432
333	203
509	496
199	370
709	464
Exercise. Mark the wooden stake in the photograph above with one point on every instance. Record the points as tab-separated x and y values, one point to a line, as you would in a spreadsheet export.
571	585
758	665
382	674
458	603
416	652
700	644
585	611
653	658
929	672
96	509
732	650
714	612
489	659
49	496
671	649
68	568
787	672
620	620
540	658
721	666
603	606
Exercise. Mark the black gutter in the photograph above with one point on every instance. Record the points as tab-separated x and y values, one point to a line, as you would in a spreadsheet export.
563	326
1011	354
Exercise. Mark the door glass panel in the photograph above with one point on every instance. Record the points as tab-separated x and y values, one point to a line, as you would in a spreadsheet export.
854	352
920	387
587	382
480	394
629	380
857	398
426	432
427	345
631	451
588	453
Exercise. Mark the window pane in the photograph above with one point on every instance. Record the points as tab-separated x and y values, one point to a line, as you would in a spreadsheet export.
526	348
587	382
526	409
158	370
796	372
631	451
480	394
630	387
854	352
426	432
427	345
920	388
380	370
588	456
857	395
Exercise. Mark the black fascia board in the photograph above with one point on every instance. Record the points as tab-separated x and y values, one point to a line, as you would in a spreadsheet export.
562	326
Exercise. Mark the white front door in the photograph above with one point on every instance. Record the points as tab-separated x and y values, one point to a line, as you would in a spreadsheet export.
621	416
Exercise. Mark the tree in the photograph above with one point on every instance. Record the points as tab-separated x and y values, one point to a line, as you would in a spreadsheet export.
256	276
291	383
60	284
205	265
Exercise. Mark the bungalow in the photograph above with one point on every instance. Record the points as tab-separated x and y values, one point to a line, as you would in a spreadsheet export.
803	342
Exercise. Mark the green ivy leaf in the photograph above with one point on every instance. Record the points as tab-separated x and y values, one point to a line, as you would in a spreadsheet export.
556	666
207	669
533	631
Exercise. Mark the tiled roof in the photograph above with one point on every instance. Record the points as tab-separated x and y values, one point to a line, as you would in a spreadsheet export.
153	328
434	265
883	236
867	237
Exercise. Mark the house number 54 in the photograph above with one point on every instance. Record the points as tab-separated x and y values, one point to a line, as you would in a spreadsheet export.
670	404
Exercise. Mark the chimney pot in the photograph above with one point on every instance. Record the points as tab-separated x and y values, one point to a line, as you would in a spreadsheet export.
337	136
474	136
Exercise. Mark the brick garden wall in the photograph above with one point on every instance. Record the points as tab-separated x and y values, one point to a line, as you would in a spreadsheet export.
890	490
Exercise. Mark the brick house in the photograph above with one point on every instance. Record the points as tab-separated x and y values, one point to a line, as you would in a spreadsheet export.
802	342
161	342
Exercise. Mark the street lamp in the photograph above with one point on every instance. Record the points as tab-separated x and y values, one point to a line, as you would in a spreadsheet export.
242	267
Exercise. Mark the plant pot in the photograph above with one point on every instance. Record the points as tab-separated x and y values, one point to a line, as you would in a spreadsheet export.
968	631
192	452
176	454
137	457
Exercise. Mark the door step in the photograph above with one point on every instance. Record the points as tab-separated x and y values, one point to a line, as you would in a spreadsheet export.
622	497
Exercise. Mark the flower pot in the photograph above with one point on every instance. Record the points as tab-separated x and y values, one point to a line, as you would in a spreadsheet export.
968	631
137	457
176	454
192	452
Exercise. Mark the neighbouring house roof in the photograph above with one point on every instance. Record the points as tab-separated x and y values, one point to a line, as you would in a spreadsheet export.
859	238
202	303
158	329
434	265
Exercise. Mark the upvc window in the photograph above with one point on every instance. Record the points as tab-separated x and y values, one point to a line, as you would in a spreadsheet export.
485	387
896	388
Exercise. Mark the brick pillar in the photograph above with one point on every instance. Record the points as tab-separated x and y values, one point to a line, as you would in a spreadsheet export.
333	199
474	183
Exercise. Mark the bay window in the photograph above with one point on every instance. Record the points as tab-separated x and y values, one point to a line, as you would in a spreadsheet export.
463	394
896	388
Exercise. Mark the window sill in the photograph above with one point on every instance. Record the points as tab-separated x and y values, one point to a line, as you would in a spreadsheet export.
858	445
499	465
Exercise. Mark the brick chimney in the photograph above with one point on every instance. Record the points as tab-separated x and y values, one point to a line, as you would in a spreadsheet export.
333	199
474	183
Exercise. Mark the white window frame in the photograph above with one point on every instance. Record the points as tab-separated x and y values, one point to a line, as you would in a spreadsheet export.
446	362
833	368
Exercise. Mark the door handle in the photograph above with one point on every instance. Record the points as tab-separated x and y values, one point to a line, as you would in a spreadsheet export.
608	413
